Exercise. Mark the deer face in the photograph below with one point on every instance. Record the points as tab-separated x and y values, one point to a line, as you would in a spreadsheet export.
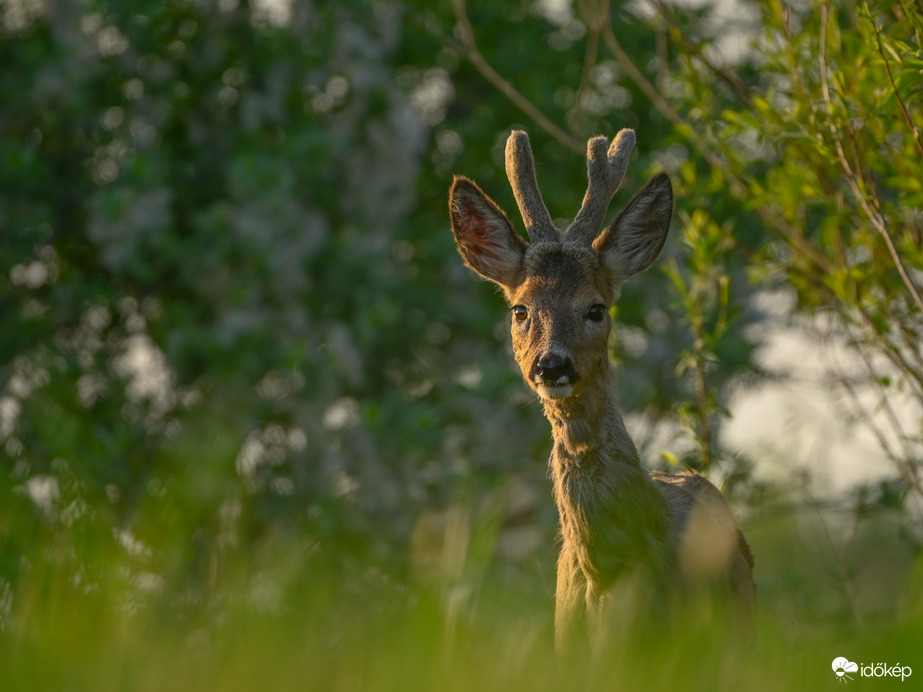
560	288
560	319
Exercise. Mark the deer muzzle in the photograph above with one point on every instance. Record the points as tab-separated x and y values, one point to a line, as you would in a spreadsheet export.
554	376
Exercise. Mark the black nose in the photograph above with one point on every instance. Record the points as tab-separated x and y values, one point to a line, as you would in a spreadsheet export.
553	367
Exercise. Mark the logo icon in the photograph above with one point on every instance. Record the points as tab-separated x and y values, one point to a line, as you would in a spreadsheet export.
842	666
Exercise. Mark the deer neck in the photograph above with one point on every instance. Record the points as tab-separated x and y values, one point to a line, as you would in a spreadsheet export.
612	514
588	428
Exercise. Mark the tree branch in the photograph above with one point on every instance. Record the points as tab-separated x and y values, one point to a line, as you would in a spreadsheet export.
874	216
915	131
505	88
738	187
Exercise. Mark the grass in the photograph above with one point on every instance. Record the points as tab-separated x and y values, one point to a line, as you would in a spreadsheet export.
414	645
296	626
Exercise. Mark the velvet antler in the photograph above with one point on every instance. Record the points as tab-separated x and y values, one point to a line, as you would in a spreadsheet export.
520	169
605	170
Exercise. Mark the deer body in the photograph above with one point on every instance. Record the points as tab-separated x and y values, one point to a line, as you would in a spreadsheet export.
618	522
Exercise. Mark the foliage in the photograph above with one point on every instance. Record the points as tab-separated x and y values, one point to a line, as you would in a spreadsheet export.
824	147
218	274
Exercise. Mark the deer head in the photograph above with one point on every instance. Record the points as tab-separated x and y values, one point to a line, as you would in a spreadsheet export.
560	286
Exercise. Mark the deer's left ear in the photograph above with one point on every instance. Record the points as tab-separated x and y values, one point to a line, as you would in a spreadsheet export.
484	235
636	237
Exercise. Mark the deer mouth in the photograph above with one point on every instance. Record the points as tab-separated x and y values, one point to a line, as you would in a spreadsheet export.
561	388
554	391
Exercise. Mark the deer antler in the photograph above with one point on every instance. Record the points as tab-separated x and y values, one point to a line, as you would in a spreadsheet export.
605	171
520	169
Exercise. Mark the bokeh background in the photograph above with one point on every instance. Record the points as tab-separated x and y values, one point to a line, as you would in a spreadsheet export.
258	423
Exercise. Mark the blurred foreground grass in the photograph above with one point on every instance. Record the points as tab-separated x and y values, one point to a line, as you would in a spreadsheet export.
289	623
331	647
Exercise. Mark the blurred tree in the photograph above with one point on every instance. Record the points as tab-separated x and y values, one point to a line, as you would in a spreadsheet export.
222	229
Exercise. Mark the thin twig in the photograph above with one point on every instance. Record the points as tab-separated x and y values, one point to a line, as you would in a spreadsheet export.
792	59
505	88
701	392
841	566
589	62
874	216
738	187
665	109
591	19
915	131
886	343
894	353
733	82
904	465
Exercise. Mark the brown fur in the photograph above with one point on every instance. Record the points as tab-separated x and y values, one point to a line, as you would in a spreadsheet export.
619	523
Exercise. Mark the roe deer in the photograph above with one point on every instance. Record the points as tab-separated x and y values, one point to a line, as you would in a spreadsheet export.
619	523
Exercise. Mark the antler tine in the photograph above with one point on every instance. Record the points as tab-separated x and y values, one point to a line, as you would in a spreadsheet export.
520	169
605	170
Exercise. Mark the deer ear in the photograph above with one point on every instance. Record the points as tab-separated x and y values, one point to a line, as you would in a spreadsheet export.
636	237
484	235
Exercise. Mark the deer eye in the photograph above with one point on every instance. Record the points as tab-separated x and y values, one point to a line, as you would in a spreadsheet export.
597	313
521	312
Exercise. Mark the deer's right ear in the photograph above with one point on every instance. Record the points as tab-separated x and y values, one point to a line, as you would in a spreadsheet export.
484	235
636	237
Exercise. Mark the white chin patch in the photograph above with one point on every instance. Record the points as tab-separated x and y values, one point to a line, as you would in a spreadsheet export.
554	391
